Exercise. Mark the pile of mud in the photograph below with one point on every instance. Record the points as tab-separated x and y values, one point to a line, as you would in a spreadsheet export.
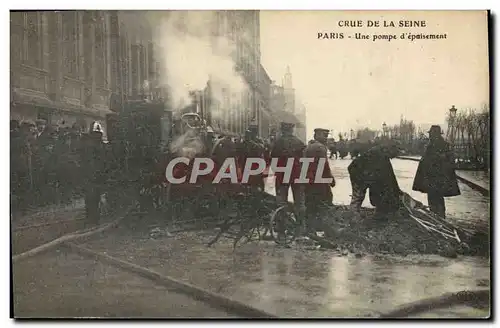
395	234
343	231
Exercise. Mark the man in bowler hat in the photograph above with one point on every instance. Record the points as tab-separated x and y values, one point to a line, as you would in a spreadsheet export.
436	172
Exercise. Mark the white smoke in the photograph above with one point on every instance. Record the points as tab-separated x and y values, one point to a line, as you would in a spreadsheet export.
187	145
193	54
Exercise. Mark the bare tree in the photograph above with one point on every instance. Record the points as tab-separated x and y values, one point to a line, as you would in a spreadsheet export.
469	134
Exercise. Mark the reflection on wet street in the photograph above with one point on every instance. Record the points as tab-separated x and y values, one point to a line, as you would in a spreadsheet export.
296	282
319	284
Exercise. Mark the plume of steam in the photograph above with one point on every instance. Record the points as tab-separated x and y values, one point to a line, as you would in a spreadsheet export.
187	145
193	54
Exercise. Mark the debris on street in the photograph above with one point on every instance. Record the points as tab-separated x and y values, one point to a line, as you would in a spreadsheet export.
399	234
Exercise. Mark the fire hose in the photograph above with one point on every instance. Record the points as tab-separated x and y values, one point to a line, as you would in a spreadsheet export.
476	299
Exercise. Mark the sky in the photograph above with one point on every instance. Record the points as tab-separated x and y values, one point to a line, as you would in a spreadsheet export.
348	83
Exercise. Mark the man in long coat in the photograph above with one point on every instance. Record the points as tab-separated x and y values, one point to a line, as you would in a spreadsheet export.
318	194
373	170
436	172
93	157
285	147
252	147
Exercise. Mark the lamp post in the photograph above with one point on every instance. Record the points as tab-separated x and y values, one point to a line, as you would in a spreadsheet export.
352	134
450	134
453	111
384	130
452	127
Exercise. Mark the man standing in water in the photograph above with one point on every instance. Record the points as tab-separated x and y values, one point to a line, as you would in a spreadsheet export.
436	172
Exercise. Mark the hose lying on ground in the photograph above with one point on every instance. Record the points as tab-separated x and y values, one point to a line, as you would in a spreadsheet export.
476	298
68	237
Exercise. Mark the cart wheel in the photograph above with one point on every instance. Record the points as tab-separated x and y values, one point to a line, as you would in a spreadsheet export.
283	226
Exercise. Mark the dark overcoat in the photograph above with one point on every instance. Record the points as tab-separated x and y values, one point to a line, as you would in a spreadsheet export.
317	192
436	171
285	147
374	170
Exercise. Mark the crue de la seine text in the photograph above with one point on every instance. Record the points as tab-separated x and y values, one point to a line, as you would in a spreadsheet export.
384	36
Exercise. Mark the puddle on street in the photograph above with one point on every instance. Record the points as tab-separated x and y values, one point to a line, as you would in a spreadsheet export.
295	283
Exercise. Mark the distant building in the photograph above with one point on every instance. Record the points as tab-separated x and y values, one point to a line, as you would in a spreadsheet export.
283	106
234	114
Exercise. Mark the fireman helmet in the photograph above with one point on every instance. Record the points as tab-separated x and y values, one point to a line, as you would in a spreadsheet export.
192	120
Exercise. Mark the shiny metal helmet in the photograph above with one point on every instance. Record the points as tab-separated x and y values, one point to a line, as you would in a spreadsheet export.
192	120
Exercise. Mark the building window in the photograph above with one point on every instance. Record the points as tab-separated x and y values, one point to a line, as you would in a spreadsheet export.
151	61
101	71
135	69
124	67
31	38
70	41
143	64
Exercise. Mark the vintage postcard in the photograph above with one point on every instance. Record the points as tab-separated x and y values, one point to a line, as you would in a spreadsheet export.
250	164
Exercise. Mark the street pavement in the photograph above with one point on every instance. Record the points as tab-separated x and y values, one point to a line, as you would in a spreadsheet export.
60	285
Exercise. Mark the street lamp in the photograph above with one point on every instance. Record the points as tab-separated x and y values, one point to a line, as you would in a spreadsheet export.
453	111
450	133
352	134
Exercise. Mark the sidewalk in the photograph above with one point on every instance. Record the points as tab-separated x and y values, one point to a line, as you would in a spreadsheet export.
478	180
50	213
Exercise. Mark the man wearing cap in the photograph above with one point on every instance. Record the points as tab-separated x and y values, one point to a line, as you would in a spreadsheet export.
318	193
436	172
285	147
373	170
253	147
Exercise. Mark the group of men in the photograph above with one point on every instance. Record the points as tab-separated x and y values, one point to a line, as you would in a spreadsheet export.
311	199
42	163
51	164
372	171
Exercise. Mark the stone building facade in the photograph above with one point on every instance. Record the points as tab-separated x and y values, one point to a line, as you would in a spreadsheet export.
234	114
60	66
77	66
